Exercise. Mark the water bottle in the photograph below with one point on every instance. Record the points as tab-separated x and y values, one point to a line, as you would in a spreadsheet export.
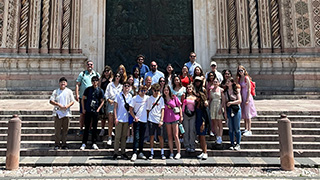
181	128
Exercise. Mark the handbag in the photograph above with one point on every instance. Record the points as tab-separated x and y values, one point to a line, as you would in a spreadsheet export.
187	111
126	105
176	110
235	107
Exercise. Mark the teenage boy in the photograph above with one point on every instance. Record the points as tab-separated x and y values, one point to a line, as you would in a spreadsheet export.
155	111
92	101
121	116
62	99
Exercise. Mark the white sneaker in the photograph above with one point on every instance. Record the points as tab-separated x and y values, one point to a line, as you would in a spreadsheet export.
94	146
178	156
211	133
163	157
109	142
219	140
134	157
151	157
171	156
131	139
128	139
83	146
237	147
102	132
200	156
248	133
112	133
142	156
205	156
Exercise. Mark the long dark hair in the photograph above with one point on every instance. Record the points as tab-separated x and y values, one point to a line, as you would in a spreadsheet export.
173	83
121	79
223	73
235	86
170	93
166	74
194	72
208	78
107	68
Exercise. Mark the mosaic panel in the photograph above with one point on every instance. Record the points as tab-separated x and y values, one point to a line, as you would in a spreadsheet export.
303	24
316	18
1	18
288	22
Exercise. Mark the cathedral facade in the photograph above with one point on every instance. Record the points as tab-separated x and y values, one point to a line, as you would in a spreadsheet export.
278	41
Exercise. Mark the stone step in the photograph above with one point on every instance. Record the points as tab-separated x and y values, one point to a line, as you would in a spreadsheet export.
75	123
255	130
25	94
210	144
110	152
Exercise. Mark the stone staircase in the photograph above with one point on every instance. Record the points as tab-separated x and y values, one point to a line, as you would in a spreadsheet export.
37	137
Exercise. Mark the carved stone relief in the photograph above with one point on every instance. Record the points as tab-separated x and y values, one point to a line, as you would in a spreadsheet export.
222	23
303	25
12	24
34	27
243	28
289	41
316	18
1	19
56	26
66	25
265	24
75	23
232	19
45	26
24	22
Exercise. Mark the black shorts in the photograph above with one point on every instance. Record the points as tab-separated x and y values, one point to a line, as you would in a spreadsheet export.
153	127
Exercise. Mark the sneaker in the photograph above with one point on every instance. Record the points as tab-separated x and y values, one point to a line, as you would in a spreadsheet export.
131	139
200	156
109	142
171	156
188	149
205	156
134	157
112	133
83	146
102	132
125	156
56	147
181	140
248	133
65	147
163	157
237	147
192	150
178	156
231	147
211	133
151	157
128	139
94	146
142	156
219	140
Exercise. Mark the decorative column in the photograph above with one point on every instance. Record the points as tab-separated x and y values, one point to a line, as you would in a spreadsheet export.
289	42
232	19
45	26
253	26
243	28
75	24
34	26
66	26
316	18
222	26
275	28
265	26
2	5
11	24
24	21
55	27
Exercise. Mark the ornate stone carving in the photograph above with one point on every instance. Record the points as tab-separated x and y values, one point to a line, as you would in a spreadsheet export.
45	26
34	26
222	23
265	27
288	22
303	25
66	24
55	27
1	19
75	26
12	24
253	24
316	18
275	22
232	26
24	21
243	26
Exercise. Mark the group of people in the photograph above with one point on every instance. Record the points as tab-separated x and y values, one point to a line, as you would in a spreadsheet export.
148	104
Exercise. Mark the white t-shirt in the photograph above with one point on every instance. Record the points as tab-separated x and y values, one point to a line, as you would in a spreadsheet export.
63	97
140	107
112	90
155	113
122	113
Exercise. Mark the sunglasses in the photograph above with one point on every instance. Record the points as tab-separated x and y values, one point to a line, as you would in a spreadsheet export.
162	81
89	64
126	85
118	76
140	59
143	91
95	80
193	56
153	65
227	74
240	70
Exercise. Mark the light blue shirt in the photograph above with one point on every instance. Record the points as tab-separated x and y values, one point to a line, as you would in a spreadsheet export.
154	76
191	67
85	79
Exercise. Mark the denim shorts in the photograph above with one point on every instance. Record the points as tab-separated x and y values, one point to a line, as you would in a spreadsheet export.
109	108
173	122
153	127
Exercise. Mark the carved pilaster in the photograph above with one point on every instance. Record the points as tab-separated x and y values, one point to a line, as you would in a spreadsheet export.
66	26
1	19
275	28
222	24
316	18
45	26
24	21
253	26
232	19
34	26
75	24
10	40
243	26
303	25
265	26
55	27
288	35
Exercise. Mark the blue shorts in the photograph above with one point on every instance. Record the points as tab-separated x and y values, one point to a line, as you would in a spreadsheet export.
109	107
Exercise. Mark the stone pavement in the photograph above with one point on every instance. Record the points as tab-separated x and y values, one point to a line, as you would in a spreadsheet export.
278	105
